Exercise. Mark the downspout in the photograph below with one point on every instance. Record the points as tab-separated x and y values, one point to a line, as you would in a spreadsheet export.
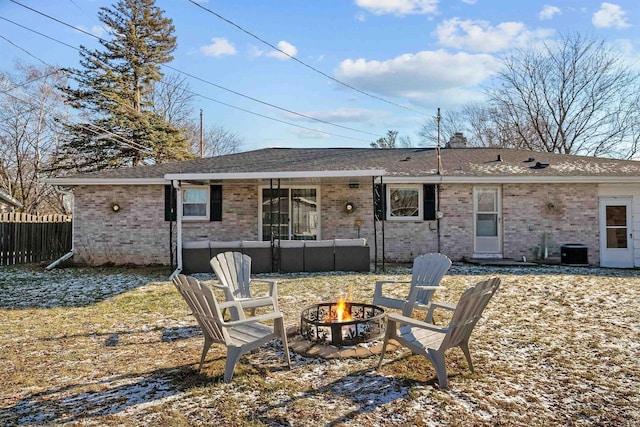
176	184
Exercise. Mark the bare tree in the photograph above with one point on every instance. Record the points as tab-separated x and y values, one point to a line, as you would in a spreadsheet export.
388	141
573	96
31	116
173	100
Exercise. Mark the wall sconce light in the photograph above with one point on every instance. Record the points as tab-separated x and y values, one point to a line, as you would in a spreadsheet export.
115	207
348	208
354	185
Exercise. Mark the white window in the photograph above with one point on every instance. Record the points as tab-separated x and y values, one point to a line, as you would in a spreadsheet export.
404	202
195	203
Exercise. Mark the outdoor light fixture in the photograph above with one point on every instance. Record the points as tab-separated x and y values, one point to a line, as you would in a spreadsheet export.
115	207
349	207
354	185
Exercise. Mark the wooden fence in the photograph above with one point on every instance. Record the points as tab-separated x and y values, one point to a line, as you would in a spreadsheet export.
28	238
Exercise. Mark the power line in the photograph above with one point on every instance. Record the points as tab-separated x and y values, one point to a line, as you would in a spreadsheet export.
271	45
204	80
18	47
204	97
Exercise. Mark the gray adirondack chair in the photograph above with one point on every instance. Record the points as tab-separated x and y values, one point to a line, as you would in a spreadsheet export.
433	341
233	270
239	336
427	271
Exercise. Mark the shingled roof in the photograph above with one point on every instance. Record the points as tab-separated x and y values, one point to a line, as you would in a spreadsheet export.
458	164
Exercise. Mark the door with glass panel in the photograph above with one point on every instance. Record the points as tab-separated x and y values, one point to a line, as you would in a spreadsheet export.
616	244
289	214
487	206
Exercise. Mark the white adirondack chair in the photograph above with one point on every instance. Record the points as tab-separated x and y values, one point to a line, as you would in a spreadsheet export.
239	336
233	270
433	341
427	271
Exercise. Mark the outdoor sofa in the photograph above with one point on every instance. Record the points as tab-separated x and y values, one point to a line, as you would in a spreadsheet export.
294	255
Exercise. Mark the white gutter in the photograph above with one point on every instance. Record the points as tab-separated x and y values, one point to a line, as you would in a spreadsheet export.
276	175
445	179
104	181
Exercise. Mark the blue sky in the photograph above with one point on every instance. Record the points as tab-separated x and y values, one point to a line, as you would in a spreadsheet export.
409	57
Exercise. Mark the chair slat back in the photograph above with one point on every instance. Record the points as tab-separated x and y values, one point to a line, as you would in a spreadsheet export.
204	305
233	270
469	310
428	270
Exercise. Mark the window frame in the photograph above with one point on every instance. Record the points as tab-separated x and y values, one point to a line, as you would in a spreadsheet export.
420	208
289	189
207	203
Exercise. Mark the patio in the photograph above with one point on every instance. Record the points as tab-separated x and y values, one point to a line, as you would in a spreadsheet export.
115	346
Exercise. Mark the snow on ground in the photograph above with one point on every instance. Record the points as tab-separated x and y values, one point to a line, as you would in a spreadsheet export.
557	345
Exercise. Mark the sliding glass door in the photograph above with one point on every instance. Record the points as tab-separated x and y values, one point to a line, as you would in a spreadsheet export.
289	214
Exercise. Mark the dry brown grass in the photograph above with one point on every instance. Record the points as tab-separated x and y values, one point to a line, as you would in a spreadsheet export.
557	345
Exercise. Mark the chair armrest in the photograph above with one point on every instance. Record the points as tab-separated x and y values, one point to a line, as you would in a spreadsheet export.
379	283
429	288
404	320
273	290
255	319
434	305
273	285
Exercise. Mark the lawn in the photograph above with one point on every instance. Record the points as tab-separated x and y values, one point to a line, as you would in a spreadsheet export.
117	346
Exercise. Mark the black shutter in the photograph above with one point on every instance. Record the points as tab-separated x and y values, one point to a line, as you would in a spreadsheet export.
379	200
215	203
429	198
170	211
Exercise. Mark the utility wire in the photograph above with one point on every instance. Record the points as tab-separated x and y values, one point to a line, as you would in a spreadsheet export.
203	96
125	141
271	45
198	95
203	80
18	47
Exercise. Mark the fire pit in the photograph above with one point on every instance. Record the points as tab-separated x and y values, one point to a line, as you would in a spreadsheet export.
342	323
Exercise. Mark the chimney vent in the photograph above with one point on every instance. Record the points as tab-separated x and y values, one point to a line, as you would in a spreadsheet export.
457	140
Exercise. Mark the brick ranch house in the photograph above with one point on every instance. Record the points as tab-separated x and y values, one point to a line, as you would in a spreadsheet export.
464	202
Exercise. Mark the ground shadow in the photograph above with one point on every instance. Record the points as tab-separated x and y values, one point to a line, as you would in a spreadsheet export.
112	395
29	286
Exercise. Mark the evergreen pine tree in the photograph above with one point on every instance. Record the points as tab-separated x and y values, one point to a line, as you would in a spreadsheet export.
114	94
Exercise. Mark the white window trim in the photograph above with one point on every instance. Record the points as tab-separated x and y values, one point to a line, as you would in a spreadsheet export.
208	203
417	187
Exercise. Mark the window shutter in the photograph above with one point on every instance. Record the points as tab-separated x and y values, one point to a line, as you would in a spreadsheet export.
215	203
170	210
379	200
429	198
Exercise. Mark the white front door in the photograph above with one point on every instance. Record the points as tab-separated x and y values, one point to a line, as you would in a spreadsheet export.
616	240
487	206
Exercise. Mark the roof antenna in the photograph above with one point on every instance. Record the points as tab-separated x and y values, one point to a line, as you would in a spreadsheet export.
439	160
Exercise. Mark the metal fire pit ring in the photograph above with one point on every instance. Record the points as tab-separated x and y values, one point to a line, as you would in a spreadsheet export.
368	323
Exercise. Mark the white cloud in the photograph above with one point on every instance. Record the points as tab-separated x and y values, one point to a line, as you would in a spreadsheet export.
219	47
309	134
96	30
421	77
470	1
286	47
548	12
480	36
399	7
610	16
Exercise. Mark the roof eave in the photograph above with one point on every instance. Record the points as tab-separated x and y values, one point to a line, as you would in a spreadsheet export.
104	181
276	175
444	179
